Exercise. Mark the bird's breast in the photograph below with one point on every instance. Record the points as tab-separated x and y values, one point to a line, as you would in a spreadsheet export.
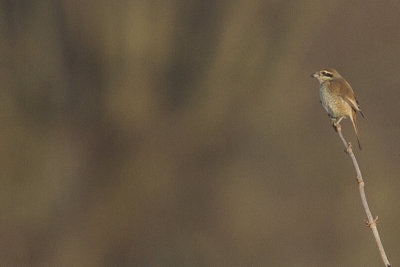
335	105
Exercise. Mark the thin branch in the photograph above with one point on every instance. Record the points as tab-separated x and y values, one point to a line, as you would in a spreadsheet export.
371	221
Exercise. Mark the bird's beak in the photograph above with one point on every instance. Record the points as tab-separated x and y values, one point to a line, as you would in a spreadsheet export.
314	75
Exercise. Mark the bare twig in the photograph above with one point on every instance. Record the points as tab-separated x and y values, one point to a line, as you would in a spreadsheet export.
371	221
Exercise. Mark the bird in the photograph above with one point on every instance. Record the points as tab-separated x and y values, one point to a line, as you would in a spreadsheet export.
337	98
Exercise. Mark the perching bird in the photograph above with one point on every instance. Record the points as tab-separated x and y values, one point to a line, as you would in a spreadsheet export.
337	97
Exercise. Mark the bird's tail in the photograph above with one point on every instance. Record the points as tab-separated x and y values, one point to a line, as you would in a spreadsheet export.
354	121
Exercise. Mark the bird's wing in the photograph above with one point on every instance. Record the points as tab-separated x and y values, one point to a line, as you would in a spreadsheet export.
344	90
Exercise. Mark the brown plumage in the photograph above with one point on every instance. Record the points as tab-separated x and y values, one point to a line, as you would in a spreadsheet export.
337	97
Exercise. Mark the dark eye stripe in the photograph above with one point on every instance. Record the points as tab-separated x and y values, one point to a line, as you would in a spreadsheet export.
328	74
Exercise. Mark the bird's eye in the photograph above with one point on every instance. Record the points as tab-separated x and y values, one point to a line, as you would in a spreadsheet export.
327	74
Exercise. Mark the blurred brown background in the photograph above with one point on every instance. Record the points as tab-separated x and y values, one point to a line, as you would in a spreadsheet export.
189	133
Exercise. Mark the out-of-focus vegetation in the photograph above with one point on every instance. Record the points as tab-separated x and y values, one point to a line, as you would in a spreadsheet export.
189	133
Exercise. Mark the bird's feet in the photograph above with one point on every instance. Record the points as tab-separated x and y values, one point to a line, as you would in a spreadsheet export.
336	122
335	125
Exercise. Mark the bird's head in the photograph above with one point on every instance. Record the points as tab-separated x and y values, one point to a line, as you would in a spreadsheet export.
326	74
